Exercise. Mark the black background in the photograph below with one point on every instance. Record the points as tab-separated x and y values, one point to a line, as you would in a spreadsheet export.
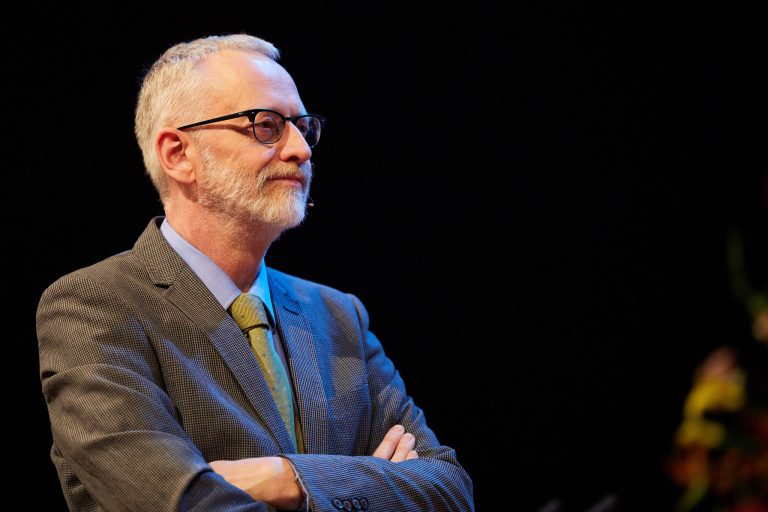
532	204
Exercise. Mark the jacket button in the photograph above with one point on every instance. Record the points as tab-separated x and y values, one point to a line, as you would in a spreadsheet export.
364	503
337	503
356	504
347	505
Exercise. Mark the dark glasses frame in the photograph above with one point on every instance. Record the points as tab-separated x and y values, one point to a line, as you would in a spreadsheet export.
251	115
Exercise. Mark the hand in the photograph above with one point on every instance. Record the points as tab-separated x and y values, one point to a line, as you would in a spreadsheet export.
268	479
397	446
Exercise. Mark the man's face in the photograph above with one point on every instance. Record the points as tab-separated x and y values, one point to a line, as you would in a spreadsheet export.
240	176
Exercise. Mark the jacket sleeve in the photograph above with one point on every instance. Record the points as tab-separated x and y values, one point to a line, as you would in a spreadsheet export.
117	441
433	482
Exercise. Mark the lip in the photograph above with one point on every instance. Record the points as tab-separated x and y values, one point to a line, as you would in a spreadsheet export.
296	181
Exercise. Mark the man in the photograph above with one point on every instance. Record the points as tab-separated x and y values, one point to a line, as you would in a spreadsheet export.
184	374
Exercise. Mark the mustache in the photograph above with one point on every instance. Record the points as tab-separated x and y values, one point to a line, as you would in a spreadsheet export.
286	170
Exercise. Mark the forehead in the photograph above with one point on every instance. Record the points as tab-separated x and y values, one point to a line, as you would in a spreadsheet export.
243	80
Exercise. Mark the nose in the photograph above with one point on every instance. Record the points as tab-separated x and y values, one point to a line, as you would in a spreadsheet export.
293	146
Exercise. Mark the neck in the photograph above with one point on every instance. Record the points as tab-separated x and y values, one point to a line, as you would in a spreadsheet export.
236	246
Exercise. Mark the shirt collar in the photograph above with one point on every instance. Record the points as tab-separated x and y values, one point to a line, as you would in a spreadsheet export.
213	277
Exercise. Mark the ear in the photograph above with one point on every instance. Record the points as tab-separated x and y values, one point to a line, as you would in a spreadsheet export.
176	154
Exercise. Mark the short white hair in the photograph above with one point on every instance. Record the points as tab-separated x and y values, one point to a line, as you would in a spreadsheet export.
172	91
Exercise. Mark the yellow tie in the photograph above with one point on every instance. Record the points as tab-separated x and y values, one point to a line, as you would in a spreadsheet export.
249	314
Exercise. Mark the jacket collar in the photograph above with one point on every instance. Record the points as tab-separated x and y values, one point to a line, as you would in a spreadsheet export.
185	290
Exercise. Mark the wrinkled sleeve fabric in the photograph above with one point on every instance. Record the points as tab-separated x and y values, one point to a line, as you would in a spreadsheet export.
433	482
117	442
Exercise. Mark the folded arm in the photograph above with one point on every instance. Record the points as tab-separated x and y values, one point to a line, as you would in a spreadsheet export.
273	479
118	432
407	468
431	481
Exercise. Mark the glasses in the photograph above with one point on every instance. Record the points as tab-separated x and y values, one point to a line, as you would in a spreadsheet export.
268	125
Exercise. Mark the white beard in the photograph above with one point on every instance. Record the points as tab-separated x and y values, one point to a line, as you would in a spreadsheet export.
250	196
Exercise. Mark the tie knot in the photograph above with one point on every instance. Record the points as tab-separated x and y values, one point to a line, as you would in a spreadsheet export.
248	312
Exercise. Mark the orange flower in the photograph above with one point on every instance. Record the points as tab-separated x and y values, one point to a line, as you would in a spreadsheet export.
760	326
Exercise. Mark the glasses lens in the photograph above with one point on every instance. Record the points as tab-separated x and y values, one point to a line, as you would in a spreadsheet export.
267	127
309	126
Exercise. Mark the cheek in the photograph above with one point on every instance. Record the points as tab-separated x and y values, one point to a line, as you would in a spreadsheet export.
252	160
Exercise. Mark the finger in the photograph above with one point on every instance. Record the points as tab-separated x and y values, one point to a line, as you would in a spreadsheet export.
389	444
405	446
219	466
413	454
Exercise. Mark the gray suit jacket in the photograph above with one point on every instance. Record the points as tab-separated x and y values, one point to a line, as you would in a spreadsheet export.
147	377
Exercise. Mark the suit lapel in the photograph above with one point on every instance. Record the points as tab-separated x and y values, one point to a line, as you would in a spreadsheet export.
301	353
185	290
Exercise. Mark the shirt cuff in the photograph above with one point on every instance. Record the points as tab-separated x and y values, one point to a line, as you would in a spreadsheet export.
305	504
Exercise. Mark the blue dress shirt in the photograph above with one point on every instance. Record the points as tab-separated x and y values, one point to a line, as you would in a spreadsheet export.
226	291
221	285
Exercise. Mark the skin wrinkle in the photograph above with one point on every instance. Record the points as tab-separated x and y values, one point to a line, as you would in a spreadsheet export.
224	184
221	198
